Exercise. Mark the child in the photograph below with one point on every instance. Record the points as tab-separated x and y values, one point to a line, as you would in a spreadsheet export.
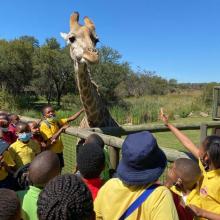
36	135
13	120
6	169
65	197
43	168
24	149
8	136
91	162
51	129
208	155
182	179
97	140
10	208
198	212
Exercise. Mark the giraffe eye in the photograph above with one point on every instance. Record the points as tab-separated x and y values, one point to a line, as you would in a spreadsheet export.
96	41
72	39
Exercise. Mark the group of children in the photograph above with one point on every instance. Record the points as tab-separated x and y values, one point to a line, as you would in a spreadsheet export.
191	190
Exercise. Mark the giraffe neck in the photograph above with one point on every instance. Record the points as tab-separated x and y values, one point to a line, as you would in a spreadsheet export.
96	111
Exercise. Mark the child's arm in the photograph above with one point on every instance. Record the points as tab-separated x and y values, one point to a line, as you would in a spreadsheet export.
75	116
180	135
198	212
56	135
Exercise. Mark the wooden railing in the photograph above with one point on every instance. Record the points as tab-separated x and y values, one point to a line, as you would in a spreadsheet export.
108	134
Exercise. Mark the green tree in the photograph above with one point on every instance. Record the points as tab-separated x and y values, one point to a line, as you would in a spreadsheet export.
109	73
16	64
53	70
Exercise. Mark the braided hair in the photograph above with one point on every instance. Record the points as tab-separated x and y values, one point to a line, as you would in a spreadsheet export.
9	205
65	197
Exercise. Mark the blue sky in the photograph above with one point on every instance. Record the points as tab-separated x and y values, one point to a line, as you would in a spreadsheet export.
176	38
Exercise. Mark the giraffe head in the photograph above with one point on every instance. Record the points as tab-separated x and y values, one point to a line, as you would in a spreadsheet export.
82	40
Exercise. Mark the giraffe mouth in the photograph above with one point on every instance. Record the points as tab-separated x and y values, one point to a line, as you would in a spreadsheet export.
91	55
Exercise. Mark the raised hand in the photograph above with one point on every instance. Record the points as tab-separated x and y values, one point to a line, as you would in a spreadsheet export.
163	117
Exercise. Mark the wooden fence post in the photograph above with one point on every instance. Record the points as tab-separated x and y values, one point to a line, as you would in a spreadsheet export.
203	132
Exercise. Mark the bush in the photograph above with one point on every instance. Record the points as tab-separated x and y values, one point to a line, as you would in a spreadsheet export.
7	101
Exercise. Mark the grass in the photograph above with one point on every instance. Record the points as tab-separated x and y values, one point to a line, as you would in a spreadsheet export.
165	139
138	111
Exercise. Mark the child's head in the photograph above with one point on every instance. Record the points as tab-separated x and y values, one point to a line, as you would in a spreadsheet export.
90	160
43	168
10	208
3	115
13	118
34	126
23	131
48	111
96	139
4	124
184	174
65	197
209	152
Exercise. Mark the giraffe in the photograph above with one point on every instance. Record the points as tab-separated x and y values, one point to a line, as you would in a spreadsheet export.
82	40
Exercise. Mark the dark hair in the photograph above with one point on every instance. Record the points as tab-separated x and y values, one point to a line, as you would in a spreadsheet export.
22	126
65	197
9	204
96	139
11	115
90	160
4	116
188	170
45	107
212	146
43	168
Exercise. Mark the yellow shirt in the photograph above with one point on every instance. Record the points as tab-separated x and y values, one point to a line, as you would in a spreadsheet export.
114	198
48	131
193	198
9	161
210	190
23	153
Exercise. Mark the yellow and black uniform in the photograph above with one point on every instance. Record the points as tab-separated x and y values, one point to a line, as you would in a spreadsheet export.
23	153
10	163
115	197
48	129
193	198
210	190
6	180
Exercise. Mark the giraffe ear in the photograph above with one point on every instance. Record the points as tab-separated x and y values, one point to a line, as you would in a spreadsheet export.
89	23
74	25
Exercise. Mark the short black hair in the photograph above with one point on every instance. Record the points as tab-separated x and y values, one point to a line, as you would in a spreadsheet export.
43	168
22	126
65	197
4	116
90	160
45	107
188	170
212	146
96	139
9	204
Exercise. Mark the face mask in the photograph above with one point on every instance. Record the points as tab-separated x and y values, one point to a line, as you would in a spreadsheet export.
52	119
25	137
4	129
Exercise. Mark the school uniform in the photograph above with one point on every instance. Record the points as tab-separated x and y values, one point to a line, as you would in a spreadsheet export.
48	129
23	153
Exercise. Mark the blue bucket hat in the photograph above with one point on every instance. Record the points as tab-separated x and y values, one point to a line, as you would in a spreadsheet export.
142	160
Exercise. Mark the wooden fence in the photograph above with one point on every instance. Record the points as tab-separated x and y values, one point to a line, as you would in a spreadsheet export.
108	134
